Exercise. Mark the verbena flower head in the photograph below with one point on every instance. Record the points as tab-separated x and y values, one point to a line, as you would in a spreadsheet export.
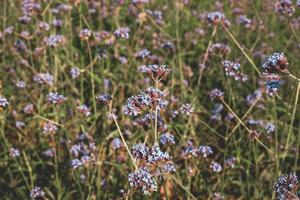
275	63
215	18
186	109
169	167
144	53
156	72
85	34
156	156
230	162
232	69
149	98
205	150
284	7
49	128
28	109
216	93
272	82
167	139
244	20
37	192
74	72
44	78
219	49
103	98
84	110
21	84
116	143
286	186
140	151
216	167
54	40
122	32
3	101
13	152
55	98
143	180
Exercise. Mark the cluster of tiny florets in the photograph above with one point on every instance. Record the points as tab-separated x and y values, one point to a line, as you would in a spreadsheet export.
275	63
156	72
232	70
49	128
44	78
84	110
122	32
284	7
3	101
37	192
286	186
186	109
143	180
216	167
215	18
55	98
167	139
216	93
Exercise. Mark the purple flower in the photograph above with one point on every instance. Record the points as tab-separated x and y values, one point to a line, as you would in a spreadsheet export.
140	151
74	72
85	34
117	143
186	109
277	62
49	128
143	180
3	101
37	192
216	167
84	110
167	139
216	93
205	150
55	98
13	152
44	78
286	186
122	32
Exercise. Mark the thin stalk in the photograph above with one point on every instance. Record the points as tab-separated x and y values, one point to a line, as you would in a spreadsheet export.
124	142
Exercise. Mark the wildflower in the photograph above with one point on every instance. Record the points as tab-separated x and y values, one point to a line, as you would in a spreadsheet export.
230	162
232	70
156	156
167	45
144	53
122	32
28	109
20	124
243	19
186	109
75	163
13	152
140	1
284	7
27	10
219	49
272	82
44	26
85	34
298	3
54	40
49	153
103	98
216	93
256	95
44	78
270	127
3	101
275	63
156	72
218	196
140	151
167	139
216	167
74	72
205	150
21	84
123	60
143	180
117	143
49	128
215	18
84	110
37	192
55	98
189	152
286	186
169	167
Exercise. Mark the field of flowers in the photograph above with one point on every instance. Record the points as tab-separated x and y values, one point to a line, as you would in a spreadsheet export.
149	99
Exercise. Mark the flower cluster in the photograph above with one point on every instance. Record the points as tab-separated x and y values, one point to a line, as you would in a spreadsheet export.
122	32
49	128
74	72
191	151
83	151
149	98
186	109
28	109
55	98
216	167
275	63
205	150
232	70
144	53
147	119
286	186
27	7
284	7
142	179
167	139
44	78
117	143
216	93
244	20
54	40
272	82
85	34
84	110
13	152
156	72
219	49
215	18
37	192
3	102
103	98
